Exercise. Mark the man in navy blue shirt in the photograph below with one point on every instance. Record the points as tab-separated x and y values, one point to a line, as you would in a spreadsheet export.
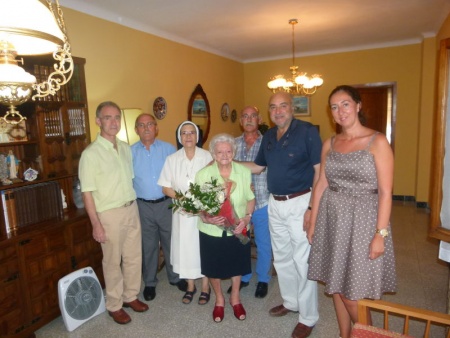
149	155
291	151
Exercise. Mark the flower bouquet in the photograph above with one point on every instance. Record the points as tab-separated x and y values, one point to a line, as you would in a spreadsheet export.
211	199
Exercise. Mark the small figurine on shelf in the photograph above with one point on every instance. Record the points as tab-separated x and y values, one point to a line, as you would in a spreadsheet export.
13	166
30	174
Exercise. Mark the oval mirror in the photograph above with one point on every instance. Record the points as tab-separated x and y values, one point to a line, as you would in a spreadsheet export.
199	112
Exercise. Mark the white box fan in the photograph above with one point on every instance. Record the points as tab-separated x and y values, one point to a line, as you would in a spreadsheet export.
80	297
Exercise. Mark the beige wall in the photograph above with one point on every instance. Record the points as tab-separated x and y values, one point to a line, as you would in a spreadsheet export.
133	68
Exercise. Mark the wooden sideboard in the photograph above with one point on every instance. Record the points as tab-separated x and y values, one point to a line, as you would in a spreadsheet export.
33	257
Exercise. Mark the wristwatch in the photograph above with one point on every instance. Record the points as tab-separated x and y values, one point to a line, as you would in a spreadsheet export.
383	232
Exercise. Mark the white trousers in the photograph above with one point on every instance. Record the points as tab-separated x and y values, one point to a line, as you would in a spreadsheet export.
291	251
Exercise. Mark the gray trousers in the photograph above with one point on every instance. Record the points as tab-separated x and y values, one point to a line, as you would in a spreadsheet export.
156	223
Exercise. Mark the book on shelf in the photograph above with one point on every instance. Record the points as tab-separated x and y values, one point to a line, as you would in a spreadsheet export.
5	212
31	204
9	210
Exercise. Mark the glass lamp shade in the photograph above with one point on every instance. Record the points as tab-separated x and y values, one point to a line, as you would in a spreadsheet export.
15	84
308	85
301	79
317	80
13	73
29	26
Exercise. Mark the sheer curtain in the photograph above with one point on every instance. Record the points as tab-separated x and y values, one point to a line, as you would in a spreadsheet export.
444	251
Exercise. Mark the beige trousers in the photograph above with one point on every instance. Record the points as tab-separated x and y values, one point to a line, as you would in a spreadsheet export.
122	255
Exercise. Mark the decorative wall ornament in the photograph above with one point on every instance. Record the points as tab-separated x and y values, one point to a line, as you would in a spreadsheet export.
233	115
160	108
225	111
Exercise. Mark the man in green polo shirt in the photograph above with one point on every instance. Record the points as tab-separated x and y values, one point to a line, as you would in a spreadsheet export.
106	174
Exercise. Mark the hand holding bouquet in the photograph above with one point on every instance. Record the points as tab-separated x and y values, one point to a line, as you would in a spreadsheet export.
211	201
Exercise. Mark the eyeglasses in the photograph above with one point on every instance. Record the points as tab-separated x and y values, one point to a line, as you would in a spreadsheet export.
148	125
188	132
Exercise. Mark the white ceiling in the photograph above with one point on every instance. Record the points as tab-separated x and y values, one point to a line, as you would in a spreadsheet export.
254	30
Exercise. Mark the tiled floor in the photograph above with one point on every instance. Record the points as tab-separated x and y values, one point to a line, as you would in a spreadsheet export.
422	282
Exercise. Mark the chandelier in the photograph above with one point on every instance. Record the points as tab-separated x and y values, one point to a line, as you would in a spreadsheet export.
299	83
28	27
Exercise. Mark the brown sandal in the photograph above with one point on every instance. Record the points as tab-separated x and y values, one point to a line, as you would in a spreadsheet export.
188	296
204	297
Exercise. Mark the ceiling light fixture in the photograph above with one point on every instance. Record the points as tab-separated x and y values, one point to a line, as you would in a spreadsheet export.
28	27
299	83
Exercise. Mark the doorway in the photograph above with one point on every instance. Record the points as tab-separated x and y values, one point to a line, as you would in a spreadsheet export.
379	107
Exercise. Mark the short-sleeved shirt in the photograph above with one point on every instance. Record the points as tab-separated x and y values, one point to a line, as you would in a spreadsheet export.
290	160
147	166
107	173
259	181
239	197
179	171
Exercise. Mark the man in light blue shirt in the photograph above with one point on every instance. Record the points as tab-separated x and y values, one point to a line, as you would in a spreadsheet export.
149	155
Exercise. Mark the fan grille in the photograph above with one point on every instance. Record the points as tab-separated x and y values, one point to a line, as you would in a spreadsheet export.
83	298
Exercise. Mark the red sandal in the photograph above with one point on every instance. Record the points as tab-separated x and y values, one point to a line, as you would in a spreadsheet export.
218	313
239	311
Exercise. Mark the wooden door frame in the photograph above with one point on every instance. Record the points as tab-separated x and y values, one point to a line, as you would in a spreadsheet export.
392	121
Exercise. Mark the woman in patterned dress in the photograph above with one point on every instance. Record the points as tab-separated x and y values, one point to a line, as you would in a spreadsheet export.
352	250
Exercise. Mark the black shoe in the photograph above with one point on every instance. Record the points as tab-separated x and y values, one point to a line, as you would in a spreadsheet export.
243	285
261	290
181	285
149	293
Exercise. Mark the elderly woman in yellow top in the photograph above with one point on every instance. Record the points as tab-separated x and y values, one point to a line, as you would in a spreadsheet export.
222	255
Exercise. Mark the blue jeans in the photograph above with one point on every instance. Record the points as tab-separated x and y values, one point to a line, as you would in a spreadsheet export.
260	221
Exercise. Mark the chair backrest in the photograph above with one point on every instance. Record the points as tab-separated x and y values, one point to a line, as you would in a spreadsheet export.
407	312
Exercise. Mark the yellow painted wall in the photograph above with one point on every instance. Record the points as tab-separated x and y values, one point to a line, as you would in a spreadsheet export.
400	64
132	68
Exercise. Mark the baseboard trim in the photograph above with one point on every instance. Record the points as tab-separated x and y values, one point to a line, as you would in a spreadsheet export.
405	198
422	205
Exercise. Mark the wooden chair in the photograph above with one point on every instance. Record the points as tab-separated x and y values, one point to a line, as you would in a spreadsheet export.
430	318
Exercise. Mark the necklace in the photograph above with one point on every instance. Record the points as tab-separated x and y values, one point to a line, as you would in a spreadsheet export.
190	175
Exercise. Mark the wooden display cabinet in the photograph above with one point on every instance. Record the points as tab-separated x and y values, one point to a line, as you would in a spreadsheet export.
34	257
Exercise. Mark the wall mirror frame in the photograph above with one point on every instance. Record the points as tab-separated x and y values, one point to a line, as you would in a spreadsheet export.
199	111
438	186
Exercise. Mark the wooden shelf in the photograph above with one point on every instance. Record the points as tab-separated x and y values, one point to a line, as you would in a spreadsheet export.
34	257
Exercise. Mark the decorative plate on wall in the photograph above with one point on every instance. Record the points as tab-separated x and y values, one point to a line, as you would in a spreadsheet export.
160	108
233	115
225	111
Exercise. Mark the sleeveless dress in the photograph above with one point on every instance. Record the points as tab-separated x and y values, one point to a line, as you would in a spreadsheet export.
345	226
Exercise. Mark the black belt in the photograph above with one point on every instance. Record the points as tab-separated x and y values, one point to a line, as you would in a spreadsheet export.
162	199
291	196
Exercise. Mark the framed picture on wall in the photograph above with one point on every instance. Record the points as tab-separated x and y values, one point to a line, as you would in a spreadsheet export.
301	106
199	107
